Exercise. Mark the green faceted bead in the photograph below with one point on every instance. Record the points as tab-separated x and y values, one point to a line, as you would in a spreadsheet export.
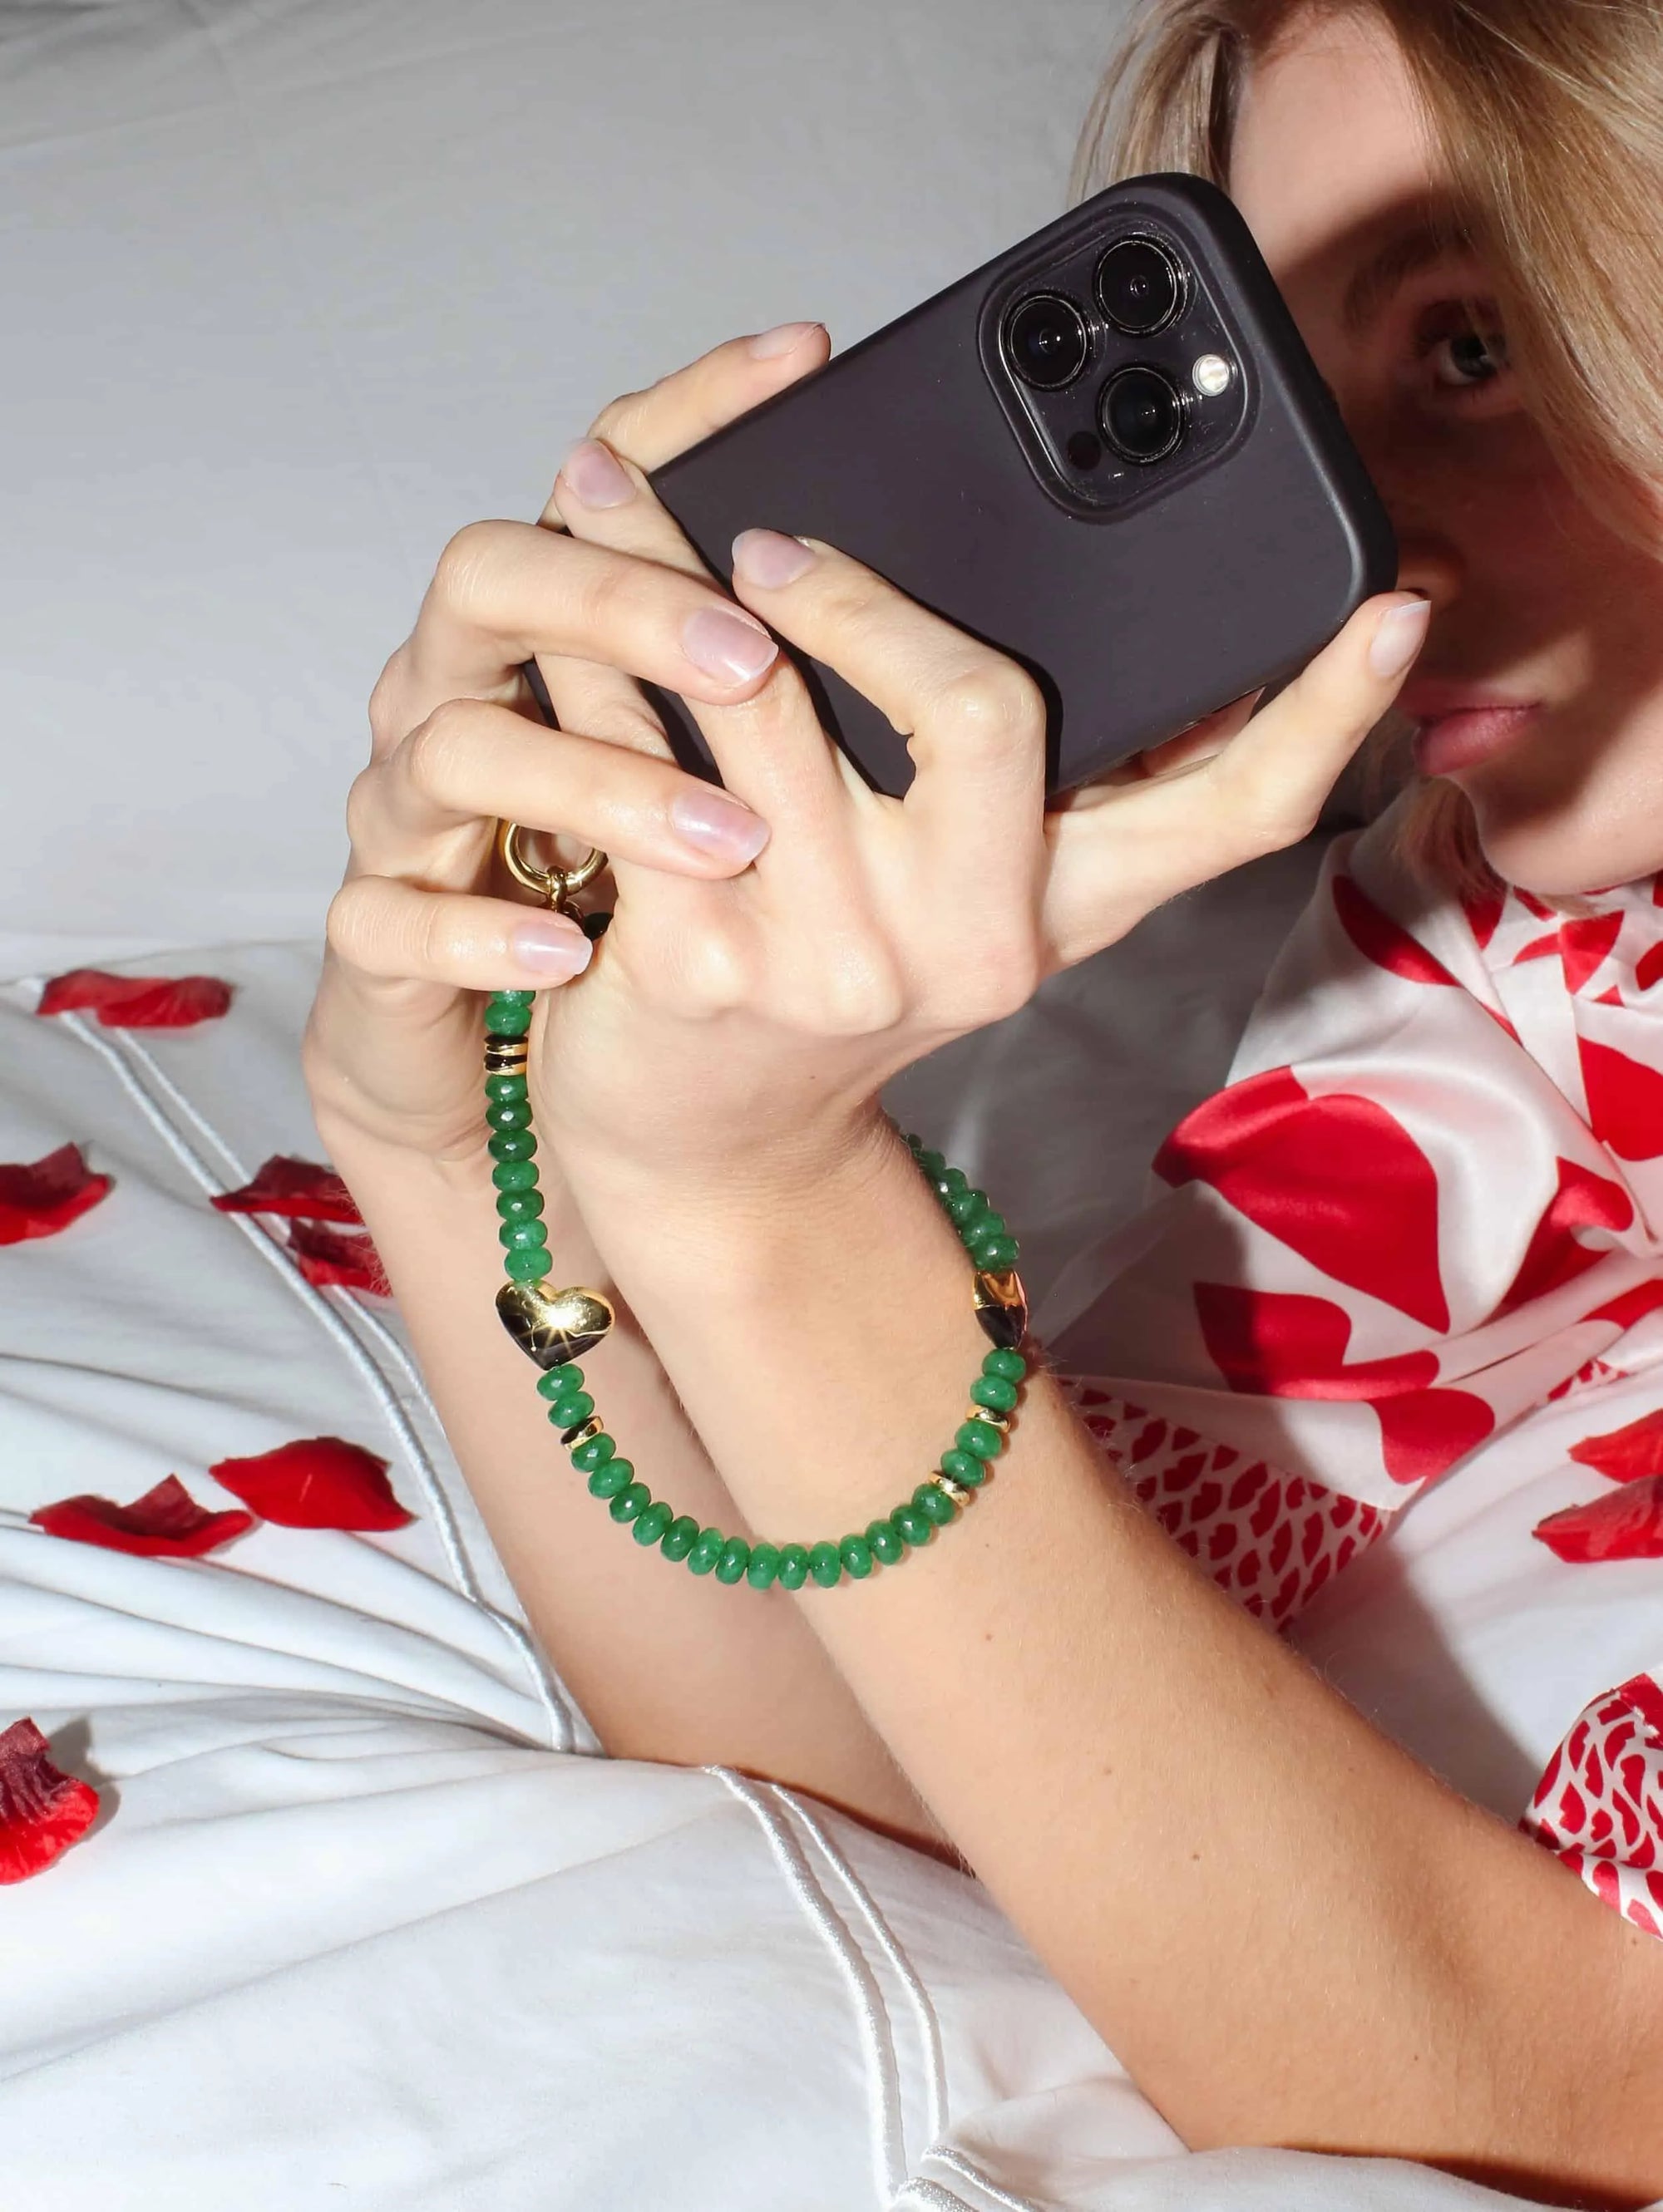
505	1089
559	1381
515	1175
931	1163
511	1144
650	1525
679	1537
596	1451
856	1555
990	1224
994	1254
705	1550
916	1527
509	1114
793	1565
951	1180
934	1503
523	1235
610	1476
964	1205
980	1437
1009	1366
886	1541
568	1412
764	1565
736	1558
506	1021
634	1498
993	1390
529	1267
825	1565
520	1205
964	1467
516	997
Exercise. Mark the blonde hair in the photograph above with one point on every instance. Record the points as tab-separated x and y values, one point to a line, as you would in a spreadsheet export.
1548	115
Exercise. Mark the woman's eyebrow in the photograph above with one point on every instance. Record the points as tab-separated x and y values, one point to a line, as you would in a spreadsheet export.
1372	285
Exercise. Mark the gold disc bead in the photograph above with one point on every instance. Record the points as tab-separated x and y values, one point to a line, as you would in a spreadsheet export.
955	1491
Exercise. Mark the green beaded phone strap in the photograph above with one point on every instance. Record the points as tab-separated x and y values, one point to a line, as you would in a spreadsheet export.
557	1327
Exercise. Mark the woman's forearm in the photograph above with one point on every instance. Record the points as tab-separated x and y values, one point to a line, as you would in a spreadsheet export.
1286	1929
659	1661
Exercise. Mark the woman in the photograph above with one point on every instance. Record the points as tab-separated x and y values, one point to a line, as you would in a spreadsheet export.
713	1153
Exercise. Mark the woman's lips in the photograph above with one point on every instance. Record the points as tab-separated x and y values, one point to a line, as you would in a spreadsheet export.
1449	742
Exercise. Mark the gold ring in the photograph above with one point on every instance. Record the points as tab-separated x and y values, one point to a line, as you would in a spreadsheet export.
556	885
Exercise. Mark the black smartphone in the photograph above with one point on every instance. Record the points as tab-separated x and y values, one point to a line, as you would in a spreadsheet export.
1106	453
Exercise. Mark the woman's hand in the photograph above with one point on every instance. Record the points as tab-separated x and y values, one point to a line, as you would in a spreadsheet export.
741	1029
424	919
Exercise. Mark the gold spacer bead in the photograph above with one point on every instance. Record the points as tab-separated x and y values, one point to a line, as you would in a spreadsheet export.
955	1491
592	1427
990	1414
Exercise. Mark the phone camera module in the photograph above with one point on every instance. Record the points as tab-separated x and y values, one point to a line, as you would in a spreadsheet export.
1046	341
1141	414
1140	286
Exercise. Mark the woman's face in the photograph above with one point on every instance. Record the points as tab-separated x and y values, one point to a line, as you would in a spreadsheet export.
1535	602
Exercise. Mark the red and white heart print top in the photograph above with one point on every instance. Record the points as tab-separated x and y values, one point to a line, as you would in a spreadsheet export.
1429	1200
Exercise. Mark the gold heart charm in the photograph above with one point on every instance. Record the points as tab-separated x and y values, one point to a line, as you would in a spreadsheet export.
553	1326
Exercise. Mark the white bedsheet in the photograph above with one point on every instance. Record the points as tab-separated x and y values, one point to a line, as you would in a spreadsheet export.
363	1919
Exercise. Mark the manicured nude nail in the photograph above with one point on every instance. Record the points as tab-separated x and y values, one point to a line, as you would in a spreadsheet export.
550	947
594	476
713	823
1400	637
784	337
728	645
770	557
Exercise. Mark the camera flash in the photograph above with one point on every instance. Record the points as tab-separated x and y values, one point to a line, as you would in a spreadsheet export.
1211	374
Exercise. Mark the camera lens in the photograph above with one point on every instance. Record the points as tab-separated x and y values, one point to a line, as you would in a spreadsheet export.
1046	341
1142	414
1140	286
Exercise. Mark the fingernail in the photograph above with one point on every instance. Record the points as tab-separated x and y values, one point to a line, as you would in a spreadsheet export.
784	337
770	557
713	823
725	645
1400	637
551	947
594	476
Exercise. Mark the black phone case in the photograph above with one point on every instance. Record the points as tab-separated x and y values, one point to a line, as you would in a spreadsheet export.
1213	578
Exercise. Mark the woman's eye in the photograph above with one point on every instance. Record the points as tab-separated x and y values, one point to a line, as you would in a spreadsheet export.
1464	358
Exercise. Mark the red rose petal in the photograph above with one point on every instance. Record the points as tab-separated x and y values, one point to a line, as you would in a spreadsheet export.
136	1002
1626	1454
42	1810
318	1482
1623	1524
41	1198
301	1189
165	1523
326	1256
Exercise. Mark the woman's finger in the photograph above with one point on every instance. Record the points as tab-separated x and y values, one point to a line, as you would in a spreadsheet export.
398	934
1114	862
974	719
649	427
428	810
769	745
506	591
652	425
